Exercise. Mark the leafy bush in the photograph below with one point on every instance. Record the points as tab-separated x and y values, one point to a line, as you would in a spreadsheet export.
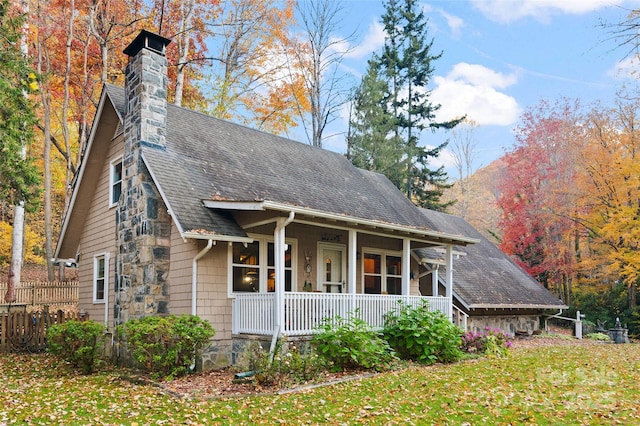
288	367
492	341
352	344
598	336
418	334
166	346
77	342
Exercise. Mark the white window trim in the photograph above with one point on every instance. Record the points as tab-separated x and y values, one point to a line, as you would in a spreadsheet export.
262	266
383	263
96	259
112	164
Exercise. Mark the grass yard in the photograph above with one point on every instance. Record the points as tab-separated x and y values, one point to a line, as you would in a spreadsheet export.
558	384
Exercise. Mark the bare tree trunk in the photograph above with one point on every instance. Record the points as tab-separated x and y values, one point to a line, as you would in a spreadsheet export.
43	67
184	39
17	248
320	60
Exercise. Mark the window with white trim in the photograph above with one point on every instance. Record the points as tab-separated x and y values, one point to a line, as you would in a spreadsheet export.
382	272
253	266
100	277
115	181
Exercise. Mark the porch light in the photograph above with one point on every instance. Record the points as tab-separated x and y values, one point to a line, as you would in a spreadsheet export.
249	277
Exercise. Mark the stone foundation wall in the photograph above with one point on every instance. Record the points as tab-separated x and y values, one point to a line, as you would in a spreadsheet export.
506	323
225	353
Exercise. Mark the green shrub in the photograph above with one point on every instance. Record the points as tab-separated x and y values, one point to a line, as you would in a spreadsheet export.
166	346
418	334
77	342
598	336
492	341
352	344
288	367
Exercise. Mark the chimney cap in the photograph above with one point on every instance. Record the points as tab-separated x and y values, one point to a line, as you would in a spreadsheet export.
149	40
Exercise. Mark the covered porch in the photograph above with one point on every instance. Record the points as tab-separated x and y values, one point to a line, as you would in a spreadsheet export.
302	267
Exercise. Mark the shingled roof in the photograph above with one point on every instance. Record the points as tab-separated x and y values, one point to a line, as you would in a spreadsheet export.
211	159
485	277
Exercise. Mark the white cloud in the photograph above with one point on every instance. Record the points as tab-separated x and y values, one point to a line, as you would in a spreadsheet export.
455	23
506	11
372	41
472	90
626	69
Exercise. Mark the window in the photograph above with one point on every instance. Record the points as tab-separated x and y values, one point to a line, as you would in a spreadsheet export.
246	267
253	267
115	182
271	268
379	280
100	277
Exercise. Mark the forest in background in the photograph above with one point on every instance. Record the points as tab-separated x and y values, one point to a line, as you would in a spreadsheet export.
564	202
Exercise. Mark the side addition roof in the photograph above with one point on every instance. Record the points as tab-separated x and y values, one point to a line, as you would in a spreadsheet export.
485	277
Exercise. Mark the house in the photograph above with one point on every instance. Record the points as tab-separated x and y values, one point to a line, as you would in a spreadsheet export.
489	288
177	212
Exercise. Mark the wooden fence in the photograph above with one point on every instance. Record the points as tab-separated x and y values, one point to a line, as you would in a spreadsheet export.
52	293
27	331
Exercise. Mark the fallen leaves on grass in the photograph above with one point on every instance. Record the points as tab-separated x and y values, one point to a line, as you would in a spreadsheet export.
590	383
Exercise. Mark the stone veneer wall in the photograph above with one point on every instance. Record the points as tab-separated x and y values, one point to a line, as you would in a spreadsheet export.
142	222
507	323
144	238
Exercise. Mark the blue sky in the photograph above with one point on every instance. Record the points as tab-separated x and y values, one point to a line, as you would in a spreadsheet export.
501	57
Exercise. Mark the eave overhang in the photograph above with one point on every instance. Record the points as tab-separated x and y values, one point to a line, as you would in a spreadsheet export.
265	205
516	306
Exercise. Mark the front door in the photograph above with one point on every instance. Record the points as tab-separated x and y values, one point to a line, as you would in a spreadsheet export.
331	268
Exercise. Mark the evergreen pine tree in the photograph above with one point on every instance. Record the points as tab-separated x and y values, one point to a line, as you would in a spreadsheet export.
19	178
404	68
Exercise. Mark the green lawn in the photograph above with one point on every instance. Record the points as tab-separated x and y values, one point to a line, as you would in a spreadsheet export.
597	384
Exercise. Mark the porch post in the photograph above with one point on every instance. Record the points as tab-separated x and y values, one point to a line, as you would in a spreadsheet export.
406	266
279	248
351	268
351	274
449	277
434	281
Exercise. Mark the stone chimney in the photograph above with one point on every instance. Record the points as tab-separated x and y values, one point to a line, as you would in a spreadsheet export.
146	91
143	224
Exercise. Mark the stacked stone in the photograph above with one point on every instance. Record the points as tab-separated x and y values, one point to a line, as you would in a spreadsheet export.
143	224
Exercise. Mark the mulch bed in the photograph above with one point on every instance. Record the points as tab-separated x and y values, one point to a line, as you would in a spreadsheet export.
222	383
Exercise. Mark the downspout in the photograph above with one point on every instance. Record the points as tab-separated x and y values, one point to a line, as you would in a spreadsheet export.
279	248
194	277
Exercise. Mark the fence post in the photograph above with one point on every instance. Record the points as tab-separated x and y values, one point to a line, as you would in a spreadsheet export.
579	317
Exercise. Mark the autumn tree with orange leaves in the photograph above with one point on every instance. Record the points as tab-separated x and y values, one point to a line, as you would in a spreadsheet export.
78	48
609	185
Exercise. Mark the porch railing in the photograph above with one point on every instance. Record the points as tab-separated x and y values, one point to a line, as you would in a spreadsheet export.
254	313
